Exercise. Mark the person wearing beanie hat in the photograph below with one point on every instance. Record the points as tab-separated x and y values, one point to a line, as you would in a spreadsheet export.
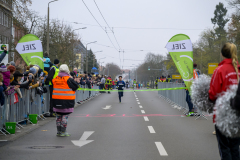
56	61
54	70
6	75
33	71
12	63
63	96
36	68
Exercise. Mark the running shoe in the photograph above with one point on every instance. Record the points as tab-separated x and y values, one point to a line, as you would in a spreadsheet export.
65	134
58	134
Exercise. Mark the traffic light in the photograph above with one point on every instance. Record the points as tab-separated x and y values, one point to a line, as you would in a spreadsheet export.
149	68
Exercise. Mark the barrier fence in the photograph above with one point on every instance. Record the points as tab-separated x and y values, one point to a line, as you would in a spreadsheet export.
32	103
177	98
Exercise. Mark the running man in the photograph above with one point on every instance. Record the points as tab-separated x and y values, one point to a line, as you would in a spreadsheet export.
134	84
120	86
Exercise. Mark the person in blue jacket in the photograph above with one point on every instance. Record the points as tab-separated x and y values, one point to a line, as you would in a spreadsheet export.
47	62
120	87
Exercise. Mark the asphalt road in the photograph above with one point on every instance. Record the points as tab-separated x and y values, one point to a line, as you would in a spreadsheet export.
151	130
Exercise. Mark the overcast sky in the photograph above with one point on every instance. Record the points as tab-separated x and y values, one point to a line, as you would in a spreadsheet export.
163	19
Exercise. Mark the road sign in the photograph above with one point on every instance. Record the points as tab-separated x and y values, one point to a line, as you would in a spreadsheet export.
176	77
212	67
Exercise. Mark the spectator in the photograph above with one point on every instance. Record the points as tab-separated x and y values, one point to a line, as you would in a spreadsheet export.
47	62
12	69
75	71
2	89
6	75
224	76
63	105
34	83
12	63
51	75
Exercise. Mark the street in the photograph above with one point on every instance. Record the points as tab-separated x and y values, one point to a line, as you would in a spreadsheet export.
142	127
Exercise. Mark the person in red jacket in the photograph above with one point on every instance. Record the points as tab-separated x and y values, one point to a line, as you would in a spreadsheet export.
224	76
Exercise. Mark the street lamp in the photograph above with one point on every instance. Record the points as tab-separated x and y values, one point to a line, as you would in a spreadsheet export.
48	27
73	43
87	55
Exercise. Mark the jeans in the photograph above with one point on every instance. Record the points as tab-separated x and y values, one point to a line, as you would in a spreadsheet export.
189	101
228	147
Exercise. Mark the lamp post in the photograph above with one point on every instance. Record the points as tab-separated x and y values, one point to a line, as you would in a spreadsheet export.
94	58
87	55
73	43
48	27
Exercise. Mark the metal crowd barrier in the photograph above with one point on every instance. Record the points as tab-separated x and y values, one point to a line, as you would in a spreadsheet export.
177	98
32	103
174	97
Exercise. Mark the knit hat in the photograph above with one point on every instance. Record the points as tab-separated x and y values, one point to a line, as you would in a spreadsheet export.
32	70
11	68
56	61
12	63
64	68
36	68
3	68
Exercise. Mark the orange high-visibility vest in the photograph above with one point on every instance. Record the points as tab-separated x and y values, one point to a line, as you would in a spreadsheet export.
195	75
61	89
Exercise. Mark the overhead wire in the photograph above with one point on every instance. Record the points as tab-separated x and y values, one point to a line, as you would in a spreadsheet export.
99	24
107	23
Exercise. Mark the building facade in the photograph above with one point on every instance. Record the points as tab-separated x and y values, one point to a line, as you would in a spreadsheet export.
6	21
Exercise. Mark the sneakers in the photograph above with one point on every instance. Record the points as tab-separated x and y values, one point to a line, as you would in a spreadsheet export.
79	102
58	134
190	114
65	134
214	132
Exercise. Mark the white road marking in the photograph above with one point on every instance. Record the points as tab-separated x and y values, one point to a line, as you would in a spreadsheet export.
108	107
83	140
137	100
142	111
140	107
161	149
146	118
151	129
3	140
139	103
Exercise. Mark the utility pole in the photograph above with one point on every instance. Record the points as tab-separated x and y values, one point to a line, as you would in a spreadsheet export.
48	28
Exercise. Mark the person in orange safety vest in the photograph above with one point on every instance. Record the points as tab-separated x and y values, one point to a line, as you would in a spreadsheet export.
63	96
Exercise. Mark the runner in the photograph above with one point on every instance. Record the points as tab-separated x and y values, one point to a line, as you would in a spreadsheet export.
134	84
120	86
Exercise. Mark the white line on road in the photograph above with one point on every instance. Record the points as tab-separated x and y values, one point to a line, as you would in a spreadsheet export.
146	118
161	149
3	140
142	111
151	129
140	106
137	100
139	103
